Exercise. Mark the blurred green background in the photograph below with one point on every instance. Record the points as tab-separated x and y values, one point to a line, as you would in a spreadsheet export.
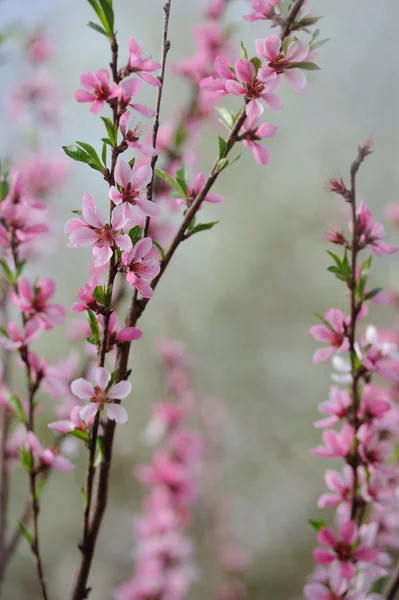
242	296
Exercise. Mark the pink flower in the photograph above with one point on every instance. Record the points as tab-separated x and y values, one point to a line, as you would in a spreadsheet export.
75	422
20	339
252	133
331	332
243	82
372	450
341	487
370	232
139	271
372	407
126	334
337	406
33	301
91	229
392	212
85	298
336	444
281	63
47	456
193	189
142	66
343	551
22	221
39	48
98	91
261	10
100	396
128	89
132	136
132	189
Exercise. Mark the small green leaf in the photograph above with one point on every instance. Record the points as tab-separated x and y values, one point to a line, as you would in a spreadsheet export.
16	405
305	66
108	12
26	459
101	15
159	248
108	296
94	326
222	164
4	332
80	155
222	147
135	234
91	152
131	162
315	45
203	227
180	135
20	268
111	130
7	271
317	525
99	294
97	28
77	212
244	53
226	117
191	225
372	293
25	533
81	435
170	181
257	63
104	155
181	178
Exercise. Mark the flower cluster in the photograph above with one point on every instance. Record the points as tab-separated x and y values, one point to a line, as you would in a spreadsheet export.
164	565
351	559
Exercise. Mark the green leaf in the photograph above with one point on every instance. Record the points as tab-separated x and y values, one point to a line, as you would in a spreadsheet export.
112	133
170	181
203	227
81	435
222	164
135	234
26	459
159	248
91	152
80	155
257	63
95	329
97	28
315	45
244	53
4	332
25	533
305	66
181	178
191	225
109	12
101	445
40	488
222	147
7	271
101	15
317	525
131	162
104	155
77	212
16	405
372	293
226	117
108	296
335	257
107	141
20	268
99	294
180	135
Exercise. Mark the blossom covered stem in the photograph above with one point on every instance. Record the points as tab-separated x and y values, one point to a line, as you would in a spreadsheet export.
33	387
4	427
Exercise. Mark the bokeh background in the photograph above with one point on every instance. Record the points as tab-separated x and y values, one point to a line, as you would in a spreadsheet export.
241	297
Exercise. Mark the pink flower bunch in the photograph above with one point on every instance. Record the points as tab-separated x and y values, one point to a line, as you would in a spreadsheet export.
164	565
353	557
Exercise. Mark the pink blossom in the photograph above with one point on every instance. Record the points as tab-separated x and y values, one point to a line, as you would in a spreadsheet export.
98	91
370	232
33	301
281	62
20	339
343	551
140	272
252	133
142	66
91	229
101	395
42	174
132	136
85	297
23	222
337	407
379	356
372	450
193	189
132	189
118	336
39	48
261	10
128	89
75	422
37	92
392	212
332	332
336	444
243	82
372	407
341	487
47	457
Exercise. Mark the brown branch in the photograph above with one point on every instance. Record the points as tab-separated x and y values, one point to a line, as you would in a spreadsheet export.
289	22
